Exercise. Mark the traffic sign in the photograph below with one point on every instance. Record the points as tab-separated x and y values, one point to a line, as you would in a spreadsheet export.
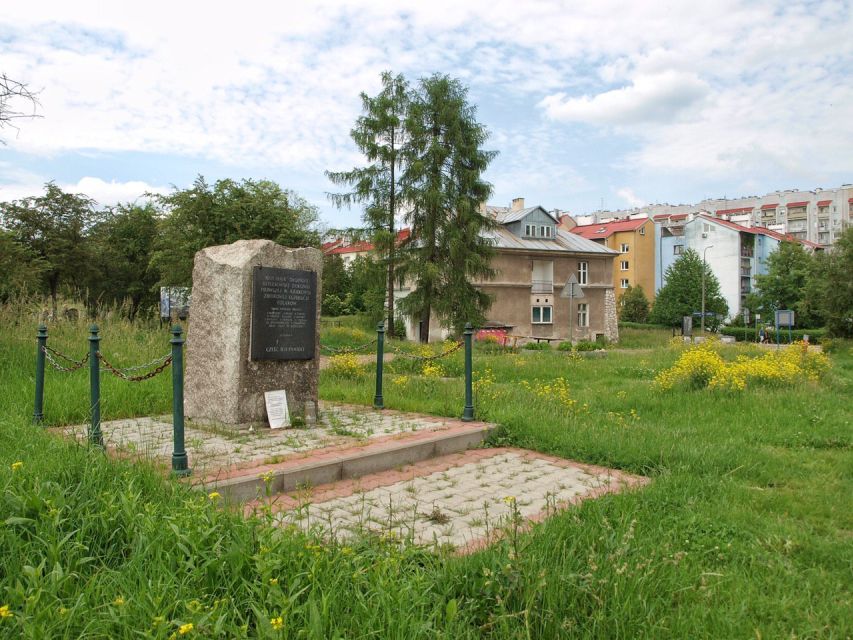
572	288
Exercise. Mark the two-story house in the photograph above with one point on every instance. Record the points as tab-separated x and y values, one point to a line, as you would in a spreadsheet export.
533	262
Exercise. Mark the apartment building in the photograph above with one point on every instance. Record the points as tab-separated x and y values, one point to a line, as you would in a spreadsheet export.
634	239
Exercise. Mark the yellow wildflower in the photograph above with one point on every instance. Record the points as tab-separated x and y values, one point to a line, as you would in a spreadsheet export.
63	611
277	623
17	465
4	612
119	601
273	581
510	500
184	629
213	495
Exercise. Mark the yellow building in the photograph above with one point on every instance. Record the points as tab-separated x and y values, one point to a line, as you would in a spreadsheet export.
635	242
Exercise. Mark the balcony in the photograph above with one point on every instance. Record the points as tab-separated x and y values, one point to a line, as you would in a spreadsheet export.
745	272
541	286
746	252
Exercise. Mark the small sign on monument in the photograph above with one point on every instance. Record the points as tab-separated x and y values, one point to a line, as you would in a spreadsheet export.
277	412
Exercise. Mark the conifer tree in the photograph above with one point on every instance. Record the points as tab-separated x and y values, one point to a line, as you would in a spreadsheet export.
443	188
634	305
379	134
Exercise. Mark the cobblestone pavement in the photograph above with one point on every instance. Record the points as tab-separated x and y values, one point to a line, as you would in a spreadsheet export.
461	501
213	449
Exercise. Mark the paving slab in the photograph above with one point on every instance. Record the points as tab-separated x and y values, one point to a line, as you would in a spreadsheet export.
461	501
352	433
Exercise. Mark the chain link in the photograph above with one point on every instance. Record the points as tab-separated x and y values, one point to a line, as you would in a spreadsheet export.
121	373
456	347
75	364
347	350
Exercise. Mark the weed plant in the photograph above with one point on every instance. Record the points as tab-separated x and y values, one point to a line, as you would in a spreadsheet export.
744	530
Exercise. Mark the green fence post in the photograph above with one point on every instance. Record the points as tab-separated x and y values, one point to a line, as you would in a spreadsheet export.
180	462
378	402
41	340
95	436
468	411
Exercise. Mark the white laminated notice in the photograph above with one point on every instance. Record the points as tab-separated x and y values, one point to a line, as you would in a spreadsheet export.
277	413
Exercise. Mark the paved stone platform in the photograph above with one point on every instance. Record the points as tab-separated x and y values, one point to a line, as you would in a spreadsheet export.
461	501
219	452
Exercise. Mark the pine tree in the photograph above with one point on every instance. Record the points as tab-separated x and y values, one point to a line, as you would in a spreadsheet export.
682	293
443	188
379	134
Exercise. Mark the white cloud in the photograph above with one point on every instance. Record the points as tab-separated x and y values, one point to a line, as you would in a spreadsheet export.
628	195
103	192
650	98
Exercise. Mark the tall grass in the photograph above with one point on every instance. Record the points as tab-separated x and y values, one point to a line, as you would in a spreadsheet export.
744	531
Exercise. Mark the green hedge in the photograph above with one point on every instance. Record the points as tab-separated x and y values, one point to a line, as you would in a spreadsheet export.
748	334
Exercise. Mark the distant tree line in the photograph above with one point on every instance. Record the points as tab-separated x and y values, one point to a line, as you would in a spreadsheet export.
817	286
63	243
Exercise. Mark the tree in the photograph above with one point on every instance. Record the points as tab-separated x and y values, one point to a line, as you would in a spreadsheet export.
784	284
634	305
13	95
202	216
830	288
368	286
443	187
20	269
53	227
122	245
379	134
682	293
337	284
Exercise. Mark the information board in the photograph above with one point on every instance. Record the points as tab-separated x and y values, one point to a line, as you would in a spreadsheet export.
284	307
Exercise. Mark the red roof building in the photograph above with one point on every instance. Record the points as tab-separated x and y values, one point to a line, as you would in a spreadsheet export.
607	229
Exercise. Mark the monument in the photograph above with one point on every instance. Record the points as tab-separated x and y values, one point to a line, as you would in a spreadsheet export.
253	329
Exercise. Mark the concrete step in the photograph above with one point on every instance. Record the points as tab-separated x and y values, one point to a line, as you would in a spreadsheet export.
333	464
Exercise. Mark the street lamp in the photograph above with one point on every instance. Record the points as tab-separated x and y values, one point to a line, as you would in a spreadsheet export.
703	287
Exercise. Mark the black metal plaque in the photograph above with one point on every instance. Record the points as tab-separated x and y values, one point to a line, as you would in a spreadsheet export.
284	308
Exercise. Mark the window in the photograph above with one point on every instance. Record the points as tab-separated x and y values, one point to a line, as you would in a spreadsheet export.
530	230
542	278
541	315
623	248
643	230
545	232
677	249
583	269
583	315
623	265
624	283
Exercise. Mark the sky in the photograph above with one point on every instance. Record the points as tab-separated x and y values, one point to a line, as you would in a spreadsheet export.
589	105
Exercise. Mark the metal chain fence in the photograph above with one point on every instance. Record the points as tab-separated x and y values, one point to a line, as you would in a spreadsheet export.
163	363
75	364
346	350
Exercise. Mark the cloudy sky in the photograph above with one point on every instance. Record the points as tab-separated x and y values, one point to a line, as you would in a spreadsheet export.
588	103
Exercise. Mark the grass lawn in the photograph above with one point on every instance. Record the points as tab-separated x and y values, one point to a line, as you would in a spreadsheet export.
746	530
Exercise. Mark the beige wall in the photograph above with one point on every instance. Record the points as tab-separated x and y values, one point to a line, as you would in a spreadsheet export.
513	299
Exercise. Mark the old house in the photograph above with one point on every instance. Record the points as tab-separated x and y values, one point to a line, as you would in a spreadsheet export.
534	259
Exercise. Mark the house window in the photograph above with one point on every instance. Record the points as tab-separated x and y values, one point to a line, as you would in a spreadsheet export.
678	249
583	269
542	278
623	248
545	232
643	231
583	315
623	265
624	283
530	230
541	315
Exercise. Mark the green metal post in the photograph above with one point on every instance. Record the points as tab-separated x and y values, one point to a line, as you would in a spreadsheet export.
95	436
41	340
378	402
468	411
180	462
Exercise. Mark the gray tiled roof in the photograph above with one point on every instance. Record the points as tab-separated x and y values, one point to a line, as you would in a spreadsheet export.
505	215
503	238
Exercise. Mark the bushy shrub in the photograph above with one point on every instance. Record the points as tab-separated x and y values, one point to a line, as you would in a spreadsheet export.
345	365
538	346
747	334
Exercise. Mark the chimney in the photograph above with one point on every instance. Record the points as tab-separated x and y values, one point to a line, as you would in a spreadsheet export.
517	204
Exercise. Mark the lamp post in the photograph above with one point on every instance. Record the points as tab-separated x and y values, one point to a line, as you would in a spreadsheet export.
703	289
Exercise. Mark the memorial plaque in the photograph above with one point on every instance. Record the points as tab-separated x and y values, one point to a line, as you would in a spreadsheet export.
284	304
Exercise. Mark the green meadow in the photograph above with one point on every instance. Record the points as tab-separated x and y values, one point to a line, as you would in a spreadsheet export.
745	531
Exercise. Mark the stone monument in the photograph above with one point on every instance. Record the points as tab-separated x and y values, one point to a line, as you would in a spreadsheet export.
253	328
